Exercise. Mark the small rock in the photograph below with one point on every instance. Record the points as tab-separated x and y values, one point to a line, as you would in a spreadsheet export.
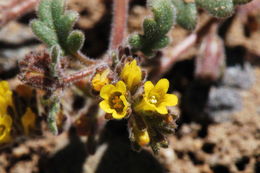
239	76
223	101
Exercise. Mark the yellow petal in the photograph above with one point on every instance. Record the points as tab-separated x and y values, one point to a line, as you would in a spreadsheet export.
144	105
106	91
170	99
148	86
162	109
161	87
121	87
117	116
7	120
105	106
122	97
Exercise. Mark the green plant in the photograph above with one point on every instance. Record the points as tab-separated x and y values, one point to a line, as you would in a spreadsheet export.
118	82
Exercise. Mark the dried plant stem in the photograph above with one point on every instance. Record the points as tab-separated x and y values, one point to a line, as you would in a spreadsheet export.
119	25
16	9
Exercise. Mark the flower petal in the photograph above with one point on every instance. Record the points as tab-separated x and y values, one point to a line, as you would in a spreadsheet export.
148	86
118	116
106	91
170	100
122	97
121	87
105	106
162	109
161	87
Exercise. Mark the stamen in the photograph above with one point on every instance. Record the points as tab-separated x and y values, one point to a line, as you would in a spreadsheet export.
153	100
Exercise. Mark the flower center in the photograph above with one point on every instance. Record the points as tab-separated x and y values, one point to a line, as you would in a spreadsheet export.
116	103
153	100
2	129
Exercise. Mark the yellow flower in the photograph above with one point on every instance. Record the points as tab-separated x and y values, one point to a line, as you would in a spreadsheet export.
28	120
5	97
131	75
114	101
5	128
100	80
142	138
155	98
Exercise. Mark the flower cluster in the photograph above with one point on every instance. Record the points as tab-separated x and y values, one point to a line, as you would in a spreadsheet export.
145	104
9	110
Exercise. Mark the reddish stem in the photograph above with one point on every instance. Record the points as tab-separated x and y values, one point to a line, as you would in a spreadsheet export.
77	76
119	25
16	9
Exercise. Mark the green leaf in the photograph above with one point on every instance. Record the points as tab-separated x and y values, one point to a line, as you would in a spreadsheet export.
161	43
186	14
64	26
44	33
135	41
151	30
75	41
45	14
156	28
57	9
218	8
164	14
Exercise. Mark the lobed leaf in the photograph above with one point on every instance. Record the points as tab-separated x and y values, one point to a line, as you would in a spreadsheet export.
44	33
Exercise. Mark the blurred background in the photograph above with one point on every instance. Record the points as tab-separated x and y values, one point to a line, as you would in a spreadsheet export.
219	125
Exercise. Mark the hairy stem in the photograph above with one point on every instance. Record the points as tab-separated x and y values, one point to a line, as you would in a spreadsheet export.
77	76
119	25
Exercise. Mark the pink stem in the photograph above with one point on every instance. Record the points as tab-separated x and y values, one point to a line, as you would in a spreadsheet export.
77	76
119	25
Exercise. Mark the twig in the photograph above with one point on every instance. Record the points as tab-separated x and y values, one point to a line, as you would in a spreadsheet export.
119	25
16	9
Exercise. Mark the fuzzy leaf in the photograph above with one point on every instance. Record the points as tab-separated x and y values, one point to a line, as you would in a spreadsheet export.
163	14
150	29
45	14
218	8
57	9
44	33
64	25
75	41
186	14
135	41
161	43
156	28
